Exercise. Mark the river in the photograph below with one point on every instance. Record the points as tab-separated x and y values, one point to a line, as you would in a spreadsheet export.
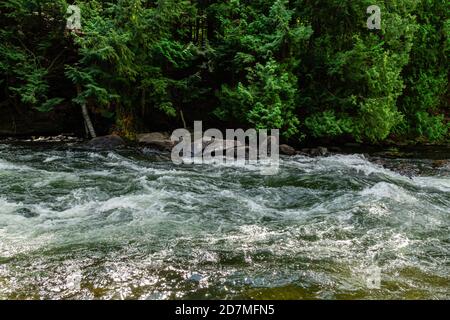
77	224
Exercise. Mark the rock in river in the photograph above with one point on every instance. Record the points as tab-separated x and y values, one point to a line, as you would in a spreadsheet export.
319	152
106	142
156	140
287	150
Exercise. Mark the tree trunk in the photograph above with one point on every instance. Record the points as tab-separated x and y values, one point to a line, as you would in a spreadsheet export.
87	119
182	119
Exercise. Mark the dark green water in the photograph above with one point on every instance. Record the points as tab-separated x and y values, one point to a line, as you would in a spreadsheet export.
120	225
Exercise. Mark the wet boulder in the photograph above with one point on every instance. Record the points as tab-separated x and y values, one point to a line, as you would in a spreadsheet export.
109	142
315	152
287	150
319	152
27	213
441	163
157	140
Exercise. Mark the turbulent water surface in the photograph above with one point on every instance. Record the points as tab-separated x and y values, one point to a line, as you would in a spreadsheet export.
78	224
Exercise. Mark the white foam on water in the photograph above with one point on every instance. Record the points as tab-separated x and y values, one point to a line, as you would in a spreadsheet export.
120	163
6	165
54	177
439	183
378	209
337	163
17	238
142	205
7	207
52	159
388	190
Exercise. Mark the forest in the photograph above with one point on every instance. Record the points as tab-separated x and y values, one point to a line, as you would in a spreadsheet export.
310	68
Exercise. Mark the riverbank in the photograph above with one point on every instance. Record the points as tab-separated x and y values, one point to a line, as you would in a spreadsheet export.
391	150
435	158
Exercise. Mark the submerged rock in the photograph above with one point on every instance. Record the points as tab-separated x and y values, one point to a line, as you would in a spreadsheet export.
319	152
287	150
106	142
27	213
315	152
156	140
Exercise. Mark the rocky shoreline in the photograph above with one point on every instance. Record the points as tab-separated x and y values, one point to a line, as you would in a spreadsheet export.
161	141
159	144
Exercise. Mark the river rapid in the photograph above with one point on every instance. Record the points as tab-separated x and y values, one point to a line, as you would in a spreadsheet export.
78	224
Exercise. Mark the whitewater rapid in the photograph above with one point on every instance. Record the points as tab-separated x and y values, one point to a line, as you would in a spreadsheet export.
100	225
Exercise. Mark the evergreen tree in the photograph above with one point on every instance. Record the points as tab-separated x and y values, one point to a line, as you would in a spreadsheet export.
310	68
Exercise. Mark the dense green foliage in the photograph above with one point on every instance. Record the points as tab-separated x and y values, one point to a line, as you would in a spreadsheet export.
310	68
